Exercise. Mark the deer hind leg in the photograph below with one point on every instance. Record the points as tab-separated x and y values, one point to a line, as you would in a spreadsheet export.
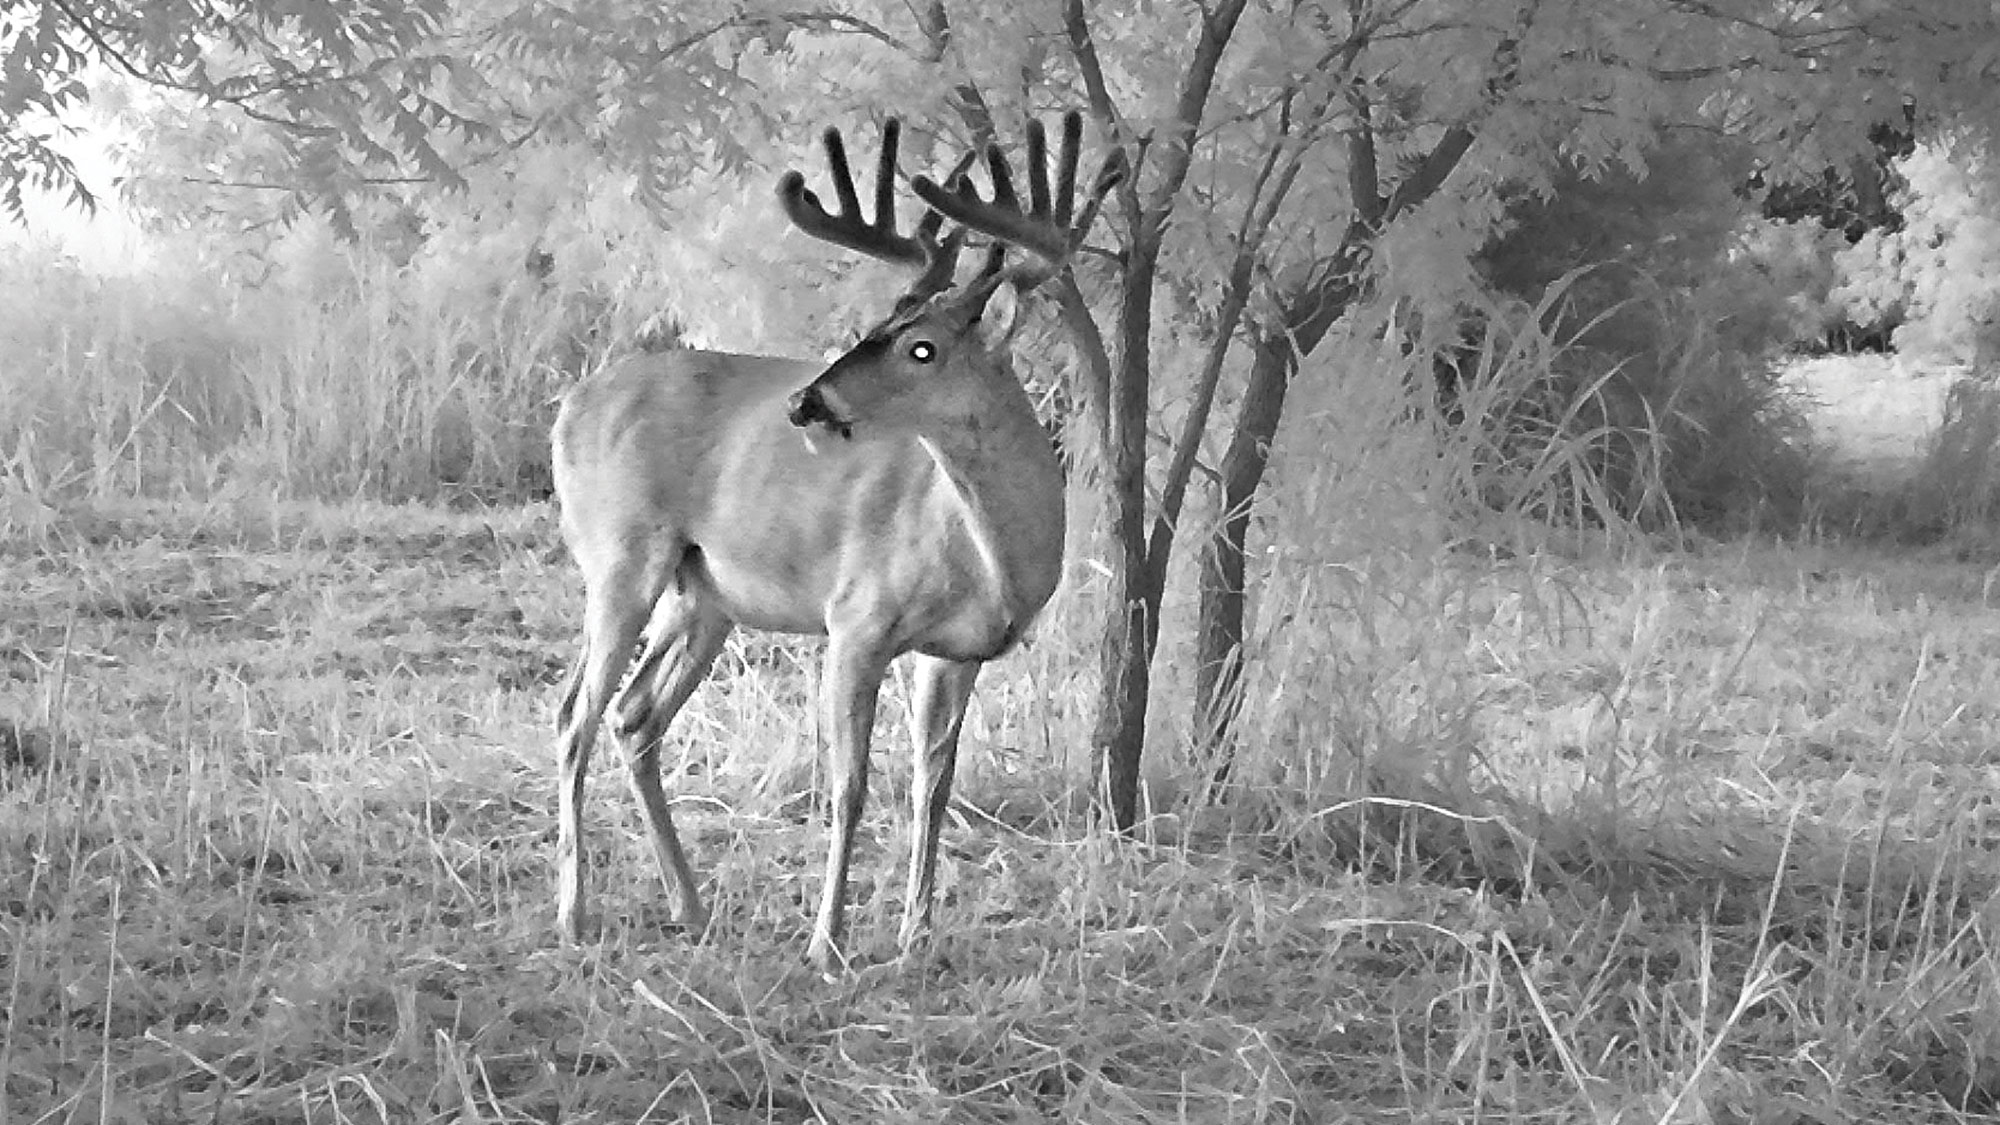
937	713
616	603
683	640
849	685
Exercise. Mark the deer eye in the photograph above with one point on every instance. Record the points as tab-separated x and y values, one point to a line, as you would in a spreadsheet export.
923	351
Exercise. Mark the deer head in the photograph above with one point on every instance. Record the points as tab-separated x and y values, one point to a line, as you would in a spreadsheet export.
933	358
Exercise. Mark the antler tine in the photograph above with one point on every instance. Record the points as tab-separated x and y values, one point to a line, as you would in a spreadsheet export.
996	258
885	176
1002	178
943	265
1003	194
932	222
849	229
843	173
1066	161
1038	170
956	180
1008	224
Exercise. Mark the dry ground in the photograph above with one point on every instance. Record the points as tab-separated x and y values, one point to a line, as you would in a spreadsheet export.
276	810
274	840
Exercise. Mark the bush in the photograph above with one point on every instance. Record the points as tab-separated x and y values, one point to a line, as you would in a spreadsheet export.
1939	275
1667	346
1958	484
1797	261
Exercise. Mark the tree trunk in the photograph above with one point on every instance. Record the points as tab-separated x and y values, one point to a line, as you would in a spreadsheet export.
1304	321
1305	317
1131	622
1219	626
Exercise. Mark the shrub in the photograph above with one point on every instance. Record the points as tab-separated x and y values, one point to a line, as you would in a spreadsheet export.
1667	347
1958	484
1797	261
1939	275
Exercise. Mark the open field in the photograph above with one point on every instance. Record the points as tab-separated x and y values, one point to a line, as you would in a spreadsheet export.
276	820
1877	412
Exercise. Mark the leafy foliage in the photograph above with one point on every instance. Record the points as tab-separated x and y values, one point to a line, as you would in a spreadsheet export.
1852	200
407	343
1675	345
342	87
1938	276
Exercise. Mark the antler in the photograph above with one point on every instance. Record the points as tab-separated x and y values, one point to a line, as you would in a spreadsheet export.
1050	227
878	237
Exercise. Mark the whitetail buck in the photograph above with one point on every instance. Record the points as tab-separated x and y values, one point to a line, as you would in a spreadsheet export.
923	512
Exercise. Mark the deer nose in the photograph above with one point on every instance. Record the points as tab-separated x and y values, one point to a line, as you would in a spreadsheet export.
807	407
813	406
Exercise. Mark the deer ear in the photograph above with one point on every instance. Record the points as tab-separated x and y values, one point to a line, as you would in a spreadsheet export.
1001	317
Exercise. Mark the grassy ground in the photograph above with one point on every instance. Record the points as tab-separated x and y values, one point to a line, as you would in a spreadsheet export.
277	808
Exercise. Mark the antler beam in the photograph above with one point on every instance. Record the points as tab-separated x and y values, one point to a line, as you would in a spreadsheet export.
1049	227
877	237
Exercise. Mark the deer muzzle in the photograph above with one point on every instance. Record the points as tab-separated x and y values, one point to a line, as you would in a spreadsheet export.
809	408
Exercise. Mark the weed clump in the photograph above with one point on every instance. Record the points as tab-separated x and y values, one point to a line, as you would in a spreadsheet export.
26	748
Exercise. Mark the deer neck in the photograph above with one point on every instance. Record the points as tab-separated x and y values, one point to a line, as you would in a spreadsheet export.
1000	469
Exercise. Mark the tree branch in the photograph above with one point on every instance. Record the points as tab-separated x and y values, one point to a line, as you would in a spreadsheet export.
1091	350
1258	216
840	21
1216	29
1076	27
209	90
971	105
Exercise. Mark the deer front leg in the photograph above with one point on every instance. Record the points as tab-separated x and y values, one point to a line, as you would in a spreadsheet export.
937	713
849	685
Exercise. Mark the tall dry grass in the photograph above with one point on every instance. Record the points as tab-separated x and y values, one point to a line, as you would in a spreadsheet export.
372	384
1957	484
1405	532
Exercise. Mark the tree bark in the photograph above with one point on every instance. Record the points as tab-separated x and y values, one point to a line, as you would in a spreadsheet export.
1304	321
1219	624
1131	622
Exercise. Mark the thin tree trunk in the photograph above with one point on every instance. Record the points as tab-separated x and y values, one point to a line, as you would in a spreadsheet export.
1219	624
1131	622
1224	593
1306	317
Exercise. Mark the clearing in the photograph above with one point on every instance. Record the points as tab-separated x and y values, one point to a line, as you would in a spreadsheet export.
276	824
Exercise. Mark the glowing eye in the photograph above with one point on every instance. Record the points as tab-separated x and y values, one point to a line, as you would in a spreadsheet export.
923	351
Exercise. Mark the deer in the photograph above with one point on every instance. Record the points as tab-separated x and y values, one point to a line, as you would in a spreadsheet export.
903	500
